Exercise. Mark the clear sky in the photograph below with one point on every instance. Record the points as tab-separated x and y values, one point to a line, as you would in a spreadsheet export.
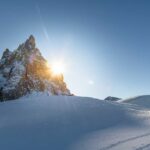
105	44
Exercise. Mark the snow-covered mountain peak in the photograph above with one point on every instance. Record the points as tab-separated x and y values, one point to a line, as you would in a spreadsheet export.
30	43
25	70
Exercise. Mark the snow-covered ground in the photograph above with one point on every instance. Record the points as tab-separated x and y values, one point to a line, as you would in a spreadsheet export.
142	101
43	122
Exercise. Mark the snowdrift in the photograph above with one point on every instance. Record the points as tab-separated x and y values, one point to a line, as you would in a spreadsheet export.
142	101
54	122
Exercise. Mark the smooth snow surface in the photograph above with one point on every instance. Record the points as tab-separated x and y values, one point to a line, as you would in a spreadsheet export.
43	122
143	101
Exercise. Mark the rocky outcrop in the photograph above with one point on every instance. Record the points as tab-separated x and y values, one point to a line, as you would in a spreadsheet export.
110	98
25	70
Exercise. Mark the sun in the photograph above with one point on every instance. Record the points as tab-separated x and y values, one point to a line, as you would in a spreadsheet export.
58	68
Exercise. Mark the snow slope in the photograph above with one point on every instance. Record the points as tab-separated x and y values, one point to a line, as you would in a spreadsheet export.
143	101
43	122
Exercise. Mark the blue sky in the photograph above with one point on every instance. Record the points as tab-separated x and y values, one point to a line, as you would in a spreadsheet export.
105	44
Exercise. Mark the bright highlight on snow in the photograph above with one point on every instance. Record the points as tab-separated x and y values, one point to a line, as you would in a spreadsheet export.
58	68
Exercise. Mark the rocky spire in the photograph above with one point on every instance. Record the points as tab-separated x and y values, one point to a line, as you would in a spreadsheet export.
30	43
25	70
6	53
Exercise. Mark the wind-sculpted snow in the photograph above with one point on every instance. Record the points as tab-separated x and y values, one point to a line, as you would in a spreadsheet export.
143	101
40	121
53	122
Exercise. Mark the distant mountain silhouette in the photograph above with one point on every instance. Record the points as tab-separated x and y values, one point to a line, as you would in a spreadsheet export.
25	70
111	98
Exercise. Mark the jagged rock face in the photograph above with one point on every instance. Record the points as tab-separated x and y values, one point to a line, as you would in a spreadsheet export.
25	70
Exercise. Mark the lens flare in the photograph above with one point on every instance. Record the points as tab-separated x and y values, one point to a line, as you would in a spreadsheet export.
58	68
